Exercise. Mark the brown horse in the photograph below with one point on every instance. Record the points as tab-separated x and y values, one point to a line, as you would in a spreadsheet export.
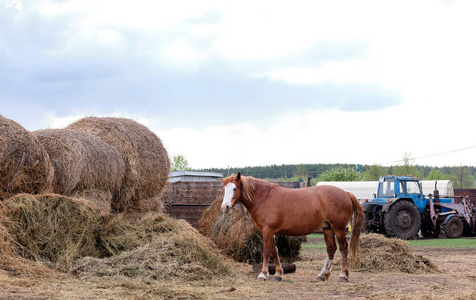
297	212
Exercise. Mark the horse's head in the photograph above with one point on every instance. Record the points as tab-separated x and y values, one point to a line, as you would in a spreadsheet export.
232	187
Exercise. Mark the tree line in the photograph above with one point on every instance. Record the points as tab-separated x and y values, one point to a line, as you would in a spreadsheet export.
461	176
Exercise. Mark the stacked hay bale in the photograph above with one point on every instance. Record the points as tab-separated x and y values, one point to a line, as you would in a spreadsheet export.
25	166
122	167
147	165
85	166
235	234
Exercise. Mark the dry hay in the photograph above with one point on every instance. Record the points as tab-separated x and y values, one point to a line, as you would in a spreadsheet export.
72	234
175	250
235	234
381	254
52	227
85	166
10	260
24	165
146	160
101	198
144	206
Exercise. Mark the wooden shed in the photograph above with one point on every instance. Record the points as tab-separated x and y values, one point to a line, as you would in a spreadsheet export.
189	193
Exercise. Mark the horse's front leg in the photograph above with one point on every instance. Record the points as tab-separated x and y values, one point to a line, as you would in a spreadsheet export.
274	254
265	267
269	249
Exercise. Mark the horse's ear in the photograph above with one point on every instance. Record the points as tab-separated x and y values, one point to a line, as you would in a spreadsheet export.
238	176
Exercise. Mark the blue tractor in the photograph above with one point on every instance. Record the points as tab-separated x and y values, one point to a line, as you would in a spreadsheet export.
399	209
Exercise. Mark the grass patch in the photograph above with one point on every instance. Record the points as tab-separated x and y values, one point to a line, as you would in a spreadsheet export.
445	243
314	245
316	235
320	246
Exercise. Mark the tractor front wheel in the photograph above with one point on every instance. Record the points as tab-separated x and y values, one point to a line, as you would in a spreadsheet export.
453	228
402	220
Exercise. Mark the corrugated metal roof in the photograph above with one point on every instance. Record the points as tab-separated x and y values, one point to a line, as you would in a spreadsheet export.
193	176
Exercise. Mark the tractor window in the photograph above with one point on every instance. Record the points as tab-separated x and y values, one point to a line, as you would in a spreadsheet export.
386	188
402	187
413	187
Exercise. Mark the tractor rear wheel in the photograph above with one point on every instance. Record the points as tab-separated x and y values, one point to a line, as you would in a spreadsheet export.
402	220
453	228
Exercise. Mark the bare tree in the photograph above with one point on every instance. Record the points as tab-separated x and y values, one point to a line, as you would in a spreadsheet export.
462	177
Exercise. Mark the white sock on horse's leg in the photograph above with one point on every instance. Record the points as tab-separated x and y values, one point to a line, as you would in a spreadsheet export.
326	269
263	276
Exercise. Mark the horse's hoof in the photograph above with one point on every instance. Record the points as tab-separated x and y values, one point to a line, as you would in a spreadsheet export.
321	278
261	279
343	279
276	279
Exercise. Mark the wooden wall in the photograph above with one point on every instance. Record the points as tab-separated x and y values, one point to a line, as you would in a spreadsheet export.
188	200
467	192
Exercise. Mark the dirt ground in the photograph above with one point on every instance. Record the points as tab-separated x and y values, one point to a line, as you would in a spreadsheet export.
456	279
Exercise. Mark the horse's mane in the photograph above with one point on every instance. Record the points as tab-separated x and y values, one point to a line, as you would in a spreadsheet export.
248	185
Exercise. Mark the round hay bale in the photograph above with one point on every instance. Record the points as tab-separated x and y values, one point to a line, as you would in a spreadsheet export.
143	206
146	160
25	166
85	166
101	198
235	234
52	227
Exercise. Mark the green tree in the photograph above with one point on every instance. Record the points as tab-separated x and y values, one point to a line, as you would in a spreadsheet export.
437	175
179	163
407	168
374	172
341	174
300	171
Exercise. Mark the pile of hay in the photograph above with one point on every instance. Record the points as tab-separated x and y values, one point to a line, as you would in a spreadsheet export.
235	234
52	227
175	250
381	254
72	234
24	165
146	161
85	166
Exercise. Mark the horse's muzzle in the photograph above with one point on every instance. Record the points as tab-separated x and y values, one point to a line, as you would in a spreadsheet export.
225	209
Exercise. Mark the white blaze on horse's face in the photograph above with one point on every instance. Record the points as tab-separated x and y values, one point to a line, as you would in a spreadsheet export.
226	205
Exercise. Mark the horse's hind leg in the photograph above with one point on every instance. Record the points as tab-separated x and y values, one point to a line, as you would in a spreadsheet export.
344	274
331	250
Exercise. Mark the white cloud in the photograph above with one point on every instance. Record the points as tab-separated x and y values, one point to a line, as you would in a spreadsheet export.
422	50
184	56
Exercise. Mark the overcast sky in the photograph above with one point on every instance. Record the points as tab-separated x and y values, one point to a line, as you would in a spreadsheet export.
248	83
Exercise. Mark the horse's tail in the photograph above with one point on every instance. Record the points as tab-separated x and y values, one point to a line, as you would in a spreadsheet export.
357	225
